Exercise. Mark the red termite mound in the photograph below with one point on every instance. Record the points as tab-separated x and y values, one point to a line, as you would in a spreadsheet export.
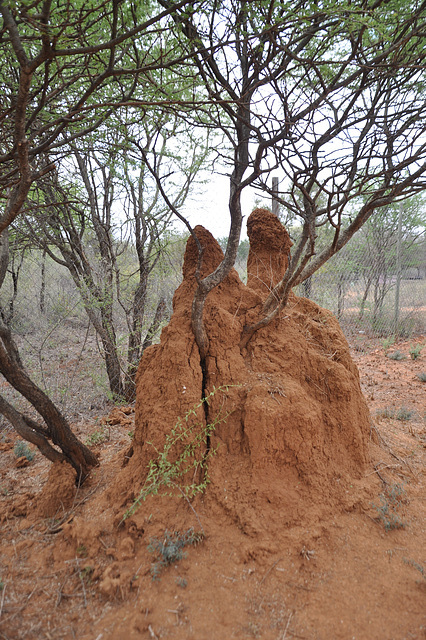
298	422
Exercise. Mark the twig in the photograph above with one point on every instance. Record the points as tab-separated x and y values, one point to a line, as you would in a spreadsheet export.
385	482
193	510
269	571
286	627
385	466
82	586
67	517
2	598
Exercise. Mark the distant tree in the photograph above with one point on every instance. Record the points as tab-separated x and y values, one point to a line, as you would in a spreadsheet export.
112	207
376	246
65	69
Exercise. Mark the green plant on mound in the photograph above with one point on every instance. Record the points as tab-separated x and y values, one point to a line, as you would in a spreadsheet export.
185	450
22	450
169	548
391	501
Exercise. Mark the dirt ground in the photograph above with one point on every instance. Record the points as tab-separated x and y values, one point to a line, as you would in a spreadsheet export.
356	572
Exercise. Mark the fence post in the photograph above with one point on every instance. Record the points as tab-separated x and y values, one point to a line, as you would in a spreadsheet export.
275	203
398	269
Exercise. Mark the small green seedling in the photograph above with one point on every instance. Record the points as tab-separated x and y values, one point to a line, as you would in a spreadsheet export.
169	548
97	437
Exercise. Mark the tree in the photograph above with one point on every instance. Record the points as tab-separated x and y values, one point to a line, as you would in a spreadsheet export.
109	208
378	246
64	70
332	95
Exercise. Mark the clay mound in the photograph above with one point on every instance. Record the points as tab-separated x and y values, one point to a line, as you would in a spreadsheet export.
269	250
59	491
298	422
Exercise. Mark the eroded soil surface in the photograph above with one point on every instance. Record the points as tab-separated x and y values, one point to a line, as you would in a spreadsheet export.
353	569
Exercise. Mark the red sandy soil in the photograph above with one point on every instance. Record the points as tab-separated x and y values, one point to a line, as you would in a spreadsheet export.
314	531
342	576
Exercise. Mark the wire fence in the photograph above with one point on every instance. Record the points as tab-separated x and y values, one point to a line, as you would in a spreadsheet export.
372	294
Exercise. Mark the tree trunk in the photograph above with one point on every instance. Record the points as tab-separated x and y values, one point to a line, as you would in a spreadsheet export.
57	427
43	284
133	357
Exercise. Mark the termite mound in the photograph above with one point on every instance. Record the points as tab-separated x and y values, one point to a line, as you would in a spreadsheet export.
297	423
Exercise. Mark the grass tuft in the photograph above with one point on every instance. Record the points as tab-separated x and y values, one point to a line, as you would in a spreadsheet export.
391	500
396	355
169	548
22	450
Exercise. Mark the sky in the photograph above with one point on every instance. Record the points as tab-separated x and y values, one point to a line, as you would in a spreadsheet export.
211	209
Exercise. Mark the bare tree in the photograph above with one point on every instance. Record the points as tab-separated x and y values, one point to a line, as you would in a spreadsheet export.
329	95
65	68
112	207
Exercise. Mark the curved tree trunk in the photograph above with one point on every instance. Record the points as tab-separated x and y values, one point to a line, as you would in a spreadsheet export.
57	428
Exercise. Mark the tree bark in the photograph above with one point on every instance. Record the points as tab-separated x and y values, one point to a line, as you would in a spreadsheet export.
57	427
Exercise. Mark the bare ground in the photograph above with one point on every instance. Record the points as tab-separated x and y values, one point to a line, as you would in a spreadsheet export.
356	573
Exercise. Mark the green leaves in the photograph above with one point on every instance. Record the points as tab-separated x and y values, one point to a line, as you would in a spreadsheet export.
185	450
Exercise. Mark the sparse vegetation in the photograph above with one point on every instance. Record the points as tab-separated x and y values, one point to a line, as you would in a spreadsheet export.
416	566
98	437
415	351
422	376
185	450
169	548
396	355
22	450
181	582
386	412
391	501
405	414
388	342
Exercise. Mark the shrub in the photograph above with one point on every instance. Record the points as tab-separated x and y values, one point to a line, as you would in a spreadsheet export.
396	355
179	456
404	414
387	412
390	502
21	450
422	376
169	548
415	351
